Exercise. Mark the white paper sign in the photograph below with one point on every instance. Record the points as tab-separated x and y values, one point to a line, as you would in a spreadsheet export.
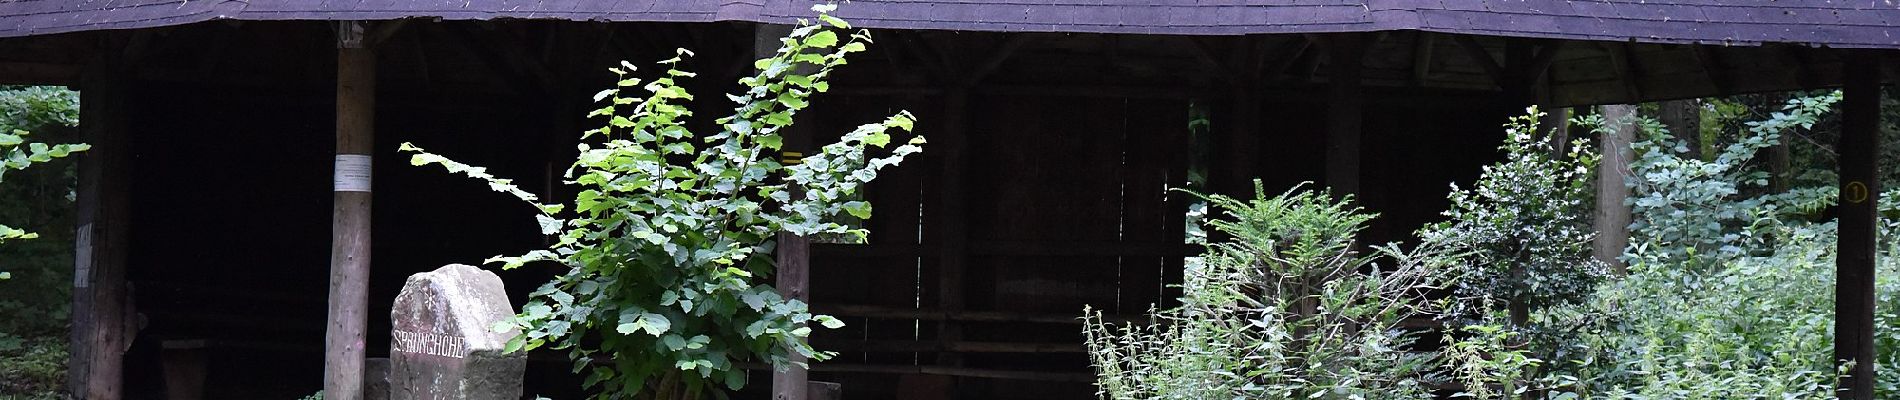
82	264
352	173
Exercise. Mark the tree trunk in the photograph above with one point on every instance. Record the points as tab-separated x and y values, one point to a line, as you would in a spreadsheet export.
1684	120
1613	214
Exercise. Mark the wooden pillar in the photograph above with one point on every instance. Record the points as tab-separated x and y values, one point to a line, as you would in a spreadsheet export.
1345	111
1238	160
1859	149
794	276
350	223
954	237
102	315
1613	216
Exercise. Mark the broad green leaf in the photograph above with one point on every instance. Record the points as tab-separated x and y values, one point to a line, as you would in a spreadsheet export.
822	39
549	225
859	209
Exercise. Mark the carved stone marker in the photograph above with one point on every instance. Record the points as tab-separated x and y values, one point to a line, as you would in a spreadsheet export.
441	346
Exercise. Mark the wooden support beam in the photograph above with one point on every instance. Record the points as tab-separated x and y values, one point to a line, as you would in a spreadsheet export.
1540	63
1859	149
931	346
350	227
102	313
34	73
1798	56
1289	54
1422	46
1044	376
1345	110
1482	57
920	49
887	312
1001	53
1205	53
507	55
1613	215
1623	62
384	31
1714	68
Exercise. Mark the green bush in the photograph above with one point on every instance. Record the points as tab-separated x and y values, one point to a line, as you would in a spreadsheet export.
1520	240
1730	293
672	231
1280	310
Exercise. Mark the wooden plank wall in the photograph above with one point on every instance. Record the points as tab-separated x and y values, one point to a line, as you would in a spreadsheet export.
1068	205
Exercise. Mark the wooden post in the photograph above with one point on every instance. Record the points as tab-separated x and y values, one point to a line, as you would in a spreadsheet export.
954	246
1345	111
101	313
794	276
1859	150
1613	216
1237	161
350	224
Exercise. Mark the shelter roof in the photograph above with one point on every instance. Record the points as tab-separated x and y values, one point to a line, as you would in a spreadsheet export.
1831	23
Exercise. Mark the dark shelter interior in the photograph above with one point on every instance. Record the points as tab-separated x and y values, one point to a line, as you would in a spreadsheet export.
1047	185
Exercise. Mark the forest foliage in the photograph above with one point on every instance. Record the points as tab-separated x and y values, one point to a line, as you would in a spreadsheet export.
36	203
1728	294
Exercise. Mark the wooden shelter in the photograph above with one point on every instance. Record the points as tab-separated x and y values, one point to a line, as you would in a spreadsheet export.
1056	128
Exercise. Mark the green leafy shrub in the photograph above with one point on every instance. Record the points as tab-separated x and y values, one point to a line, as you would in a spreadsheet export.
671	229
1280	310
1521	241
1729	293
1691	212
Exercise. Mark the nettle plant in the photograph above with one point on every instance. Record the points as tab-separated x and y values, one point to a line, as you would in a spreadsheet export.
671	230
